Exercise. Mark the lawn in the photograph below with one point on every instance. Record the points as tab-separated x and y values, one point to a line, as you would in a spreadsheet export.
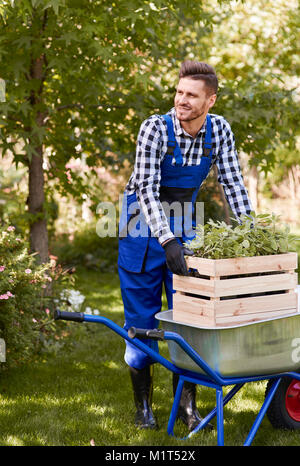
79	394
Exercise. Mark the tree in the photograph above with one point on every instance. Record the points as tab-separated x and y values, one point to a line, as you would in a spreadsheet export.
84	74
78	82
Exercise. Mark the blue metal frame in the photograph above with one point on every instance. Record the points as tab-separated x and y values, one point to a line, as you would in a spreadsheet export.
210	378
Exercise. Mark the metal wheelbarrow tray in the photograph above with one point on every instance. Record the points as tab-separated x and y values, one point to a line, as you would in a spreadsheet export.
264	347
192	367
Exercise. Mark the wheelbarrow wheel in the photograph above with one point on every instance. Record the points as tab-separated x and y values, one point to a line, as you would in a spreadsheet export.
284	409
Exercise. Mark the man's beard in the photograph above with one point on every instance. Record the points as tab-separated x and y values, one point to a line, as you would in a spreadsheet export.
193	116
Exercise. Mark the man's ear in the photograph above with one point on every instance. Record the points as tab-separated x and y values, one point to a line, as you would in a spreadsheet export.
212	100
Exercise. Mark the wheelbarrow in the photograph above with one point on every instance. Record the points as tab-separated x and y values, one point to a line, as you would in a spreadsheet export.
216	358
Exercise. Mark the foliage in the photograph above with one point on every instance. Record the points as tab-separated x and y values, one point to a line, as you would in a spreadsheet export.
256	109
287	162
257	235
106	66
209	194
84	75
95	60
254	47
25	308
21	291
87	249
78	85
12	195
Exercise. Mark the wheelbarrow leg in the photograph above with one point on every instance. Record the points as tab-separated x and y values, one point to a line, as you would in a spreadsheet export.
220	416
213	413
261	413
175	406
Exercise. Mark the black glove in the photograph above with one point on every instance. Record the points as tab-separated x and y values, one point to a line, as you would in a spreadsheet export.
175	257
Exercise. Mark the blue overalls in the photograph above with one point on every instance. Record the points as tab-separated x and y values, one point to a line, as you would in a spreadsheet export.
141	263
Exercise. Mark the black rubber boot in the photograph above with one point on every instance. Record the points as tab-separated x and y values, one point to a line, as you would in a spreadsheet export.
142	383
187	410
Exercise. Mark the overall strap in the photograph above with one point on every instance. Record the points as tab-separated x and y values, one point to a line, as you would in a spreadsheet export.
173	148
207	152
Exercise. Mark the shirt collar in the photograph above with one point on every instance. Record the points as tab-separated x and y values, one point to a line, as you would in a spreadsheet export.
179	131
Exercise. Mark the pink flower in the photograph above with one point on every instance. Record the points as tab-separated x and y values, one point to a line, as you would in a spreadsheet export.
18	239
9	294
47	311
2	267
69	176
34	320
27	270
44	286
4	296
11	228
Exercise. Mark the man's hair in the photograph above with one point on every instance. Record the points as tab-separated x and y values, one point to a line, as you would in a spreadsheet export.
200	71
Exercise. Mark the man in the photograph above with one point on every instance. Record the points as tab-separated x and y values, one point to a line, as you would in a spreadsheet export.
175	153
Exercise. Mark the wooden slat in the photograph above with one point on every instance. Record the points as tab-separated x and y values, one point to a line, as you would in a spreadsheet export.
235	286
256	304
242	319
193	305
260	284
207	266
194	319
244	265
194	285
257	264
236	307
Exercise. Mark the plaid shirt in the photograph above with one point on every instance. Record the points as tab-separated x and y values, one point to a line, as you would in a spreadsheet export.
150	152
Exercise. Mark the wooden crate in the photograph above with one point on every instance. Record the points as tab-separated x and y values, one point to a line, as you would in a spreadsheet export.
236	291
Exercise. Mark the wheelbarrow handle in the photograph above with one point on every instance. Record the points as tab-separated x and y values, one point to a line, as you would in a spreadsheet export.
154	334
63	315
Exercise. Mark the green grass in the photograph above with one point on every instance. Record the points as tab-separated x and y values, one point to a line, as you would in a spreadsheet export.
82	391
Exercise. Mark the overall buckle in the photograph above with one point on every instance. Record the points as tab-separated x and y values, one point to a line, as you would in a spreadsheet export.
171	146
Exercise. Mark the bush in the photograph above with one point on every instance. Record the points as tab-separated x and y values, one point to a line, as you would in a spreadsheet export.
87	249
22	288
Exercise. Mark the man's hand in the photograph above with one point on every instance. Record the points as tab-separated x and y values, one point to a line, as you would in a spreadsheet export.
175	256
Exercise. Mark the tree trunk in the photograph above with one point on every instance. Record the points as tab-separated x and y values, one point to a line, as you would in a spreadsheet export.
38	227
36	198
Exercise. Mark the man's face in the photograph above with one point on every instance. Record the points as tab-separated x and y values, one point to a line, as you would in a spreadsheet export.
191	99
